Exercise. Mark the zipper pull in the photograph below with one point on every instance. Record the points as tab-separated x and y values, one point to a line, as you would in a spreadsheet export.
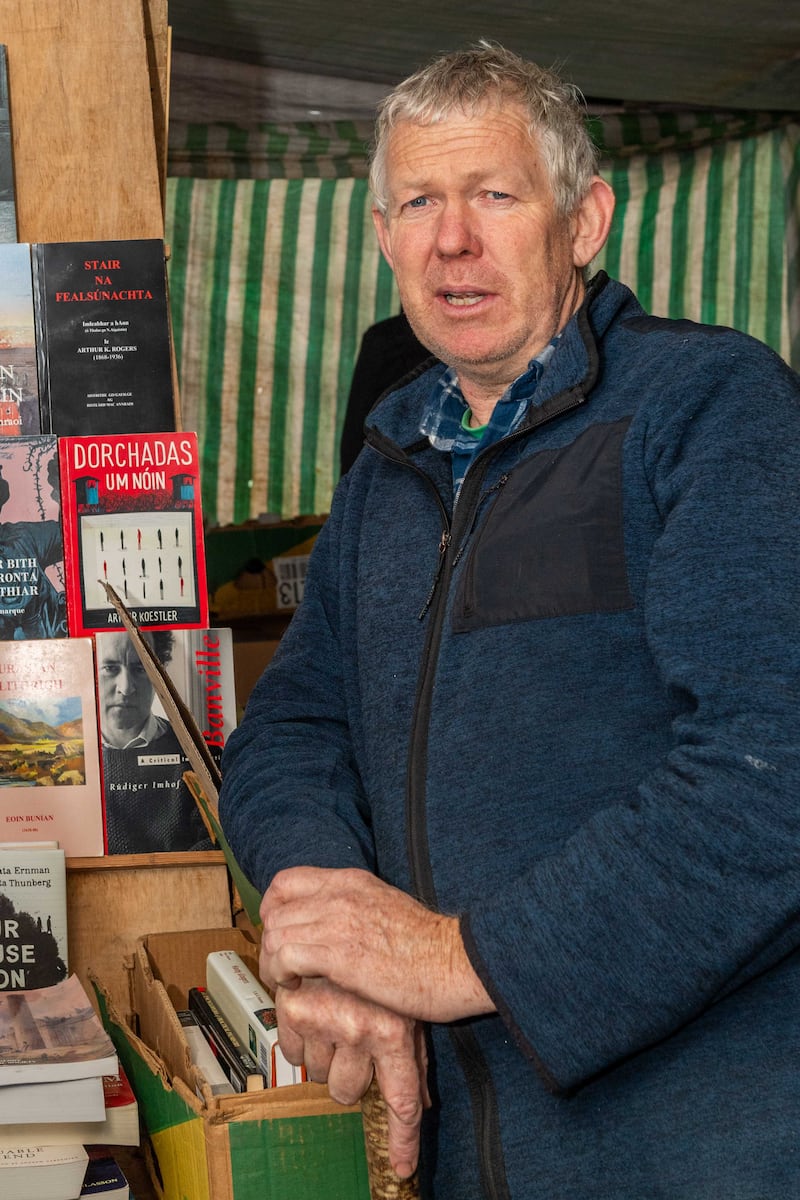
444	542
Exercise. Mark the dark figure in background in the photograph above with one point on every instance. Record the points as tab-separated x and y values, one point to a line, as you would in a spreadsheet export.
389	350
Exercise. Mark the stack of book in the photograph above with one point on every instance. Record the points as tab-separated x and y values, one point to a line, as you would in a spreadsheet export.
231	1030
64	1098
58	1067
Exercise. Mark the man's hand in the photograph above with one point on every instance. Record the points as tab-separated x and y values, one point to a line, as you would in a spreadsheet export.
370	939
341	1039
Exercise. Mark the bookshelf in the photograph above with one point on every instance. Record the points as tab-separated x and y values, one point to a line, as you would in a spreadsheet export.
88	86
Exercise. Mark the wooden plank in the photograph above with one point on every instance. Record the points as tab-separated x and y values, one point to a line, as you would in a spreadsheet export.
113	901
159	46
85	158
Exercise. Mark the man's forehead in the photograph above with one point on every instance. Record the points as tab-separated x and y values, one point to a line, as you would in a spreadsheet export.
493	135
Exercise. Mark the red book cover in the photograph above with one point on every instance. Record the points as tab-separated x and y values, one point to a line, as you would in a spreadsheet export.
131	514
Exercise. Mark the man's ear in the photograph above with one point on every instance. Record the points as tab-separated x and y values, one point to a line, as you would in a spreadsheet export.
591	222
382	231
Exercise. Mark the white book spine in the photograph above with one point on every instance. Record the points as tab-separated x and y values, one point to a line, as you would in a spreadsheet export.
251	1013
203	1057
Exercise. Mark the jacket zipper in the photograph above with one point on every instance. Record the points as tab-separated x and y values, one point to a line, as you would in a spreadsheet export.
483	1098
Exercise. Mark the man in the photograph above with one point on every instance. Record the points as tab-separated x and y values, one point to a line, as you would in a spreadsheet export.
148	807
524	771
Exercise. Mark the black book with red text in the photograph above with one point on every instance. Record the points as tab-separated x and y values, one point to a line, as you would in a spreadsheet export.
132	517
103	337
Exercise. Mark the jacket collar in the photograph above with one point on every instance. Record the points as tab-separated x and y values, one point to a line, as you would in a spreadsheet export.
574	369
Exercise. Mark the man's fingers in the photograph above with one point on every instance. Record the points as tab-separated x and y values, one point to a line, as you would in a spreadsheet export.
286	962
399	1082
350	1075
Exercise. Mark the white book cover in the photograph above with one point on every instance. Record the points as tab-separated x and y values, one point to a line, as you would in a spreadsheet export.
36	1107
251	1013
42	1172
33	916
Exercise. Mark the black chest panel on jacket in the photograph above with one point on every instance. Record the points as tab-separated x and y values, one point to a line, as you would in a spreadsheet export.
552	543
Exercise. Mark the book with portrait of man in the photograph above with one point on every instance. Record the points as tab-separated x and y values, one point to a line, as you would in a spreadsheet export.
148	806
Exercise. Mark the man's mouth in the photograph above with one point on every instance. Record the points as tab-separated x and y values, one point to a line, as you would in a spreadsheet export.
464	299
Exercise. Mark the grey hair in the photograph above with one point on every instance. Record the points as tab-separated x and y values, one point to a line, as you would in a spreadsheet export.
470	81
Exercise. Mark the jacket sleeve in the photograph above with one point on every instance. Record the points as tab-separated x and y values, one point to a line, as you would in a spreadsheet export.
291	794
679	893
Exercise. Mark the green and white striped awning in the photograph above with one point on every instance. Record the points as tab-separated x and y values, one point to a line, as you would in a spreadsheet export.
275	274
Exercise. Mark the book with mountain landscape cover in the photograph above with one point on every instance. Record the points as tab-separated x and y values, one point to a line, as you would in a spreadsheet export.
33	916
148	806
49	746
42	1172
32	596
132	517
51	1034
19	384
103	337
8	205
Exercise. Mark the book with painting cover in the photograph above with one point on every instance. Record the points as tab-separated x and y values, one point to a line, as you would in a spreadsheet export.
33	916
132	517
148	806
32	594
52	1034
103	336
19	384
8	204
49	746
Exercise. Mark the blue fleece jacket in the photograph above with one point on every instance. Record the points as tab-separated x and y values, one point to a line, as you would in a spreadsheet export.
568	712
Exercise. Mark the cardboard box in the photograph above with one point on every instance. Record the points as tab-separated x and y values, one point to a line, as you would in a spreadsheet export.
288	1143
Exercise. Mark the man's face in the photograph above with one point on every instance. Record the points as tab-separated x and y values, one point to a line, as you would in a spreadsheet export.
485	266
126	693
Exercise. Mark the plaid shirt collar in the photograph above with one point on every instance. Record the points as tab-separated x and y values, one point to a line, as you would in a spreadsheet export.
442	420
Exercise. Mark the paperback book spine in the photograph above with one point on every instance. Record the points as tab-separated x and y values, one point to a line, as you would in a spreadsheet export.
8	202
251	1013
236	1060
202	1056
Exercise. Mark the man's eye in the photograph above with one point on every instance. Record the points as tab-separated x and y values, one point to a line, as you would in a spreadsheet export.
494	195
417	202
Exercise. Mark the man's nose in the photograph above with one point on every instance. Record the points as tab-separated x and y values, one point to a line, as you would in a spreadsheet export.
125	683
456	232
